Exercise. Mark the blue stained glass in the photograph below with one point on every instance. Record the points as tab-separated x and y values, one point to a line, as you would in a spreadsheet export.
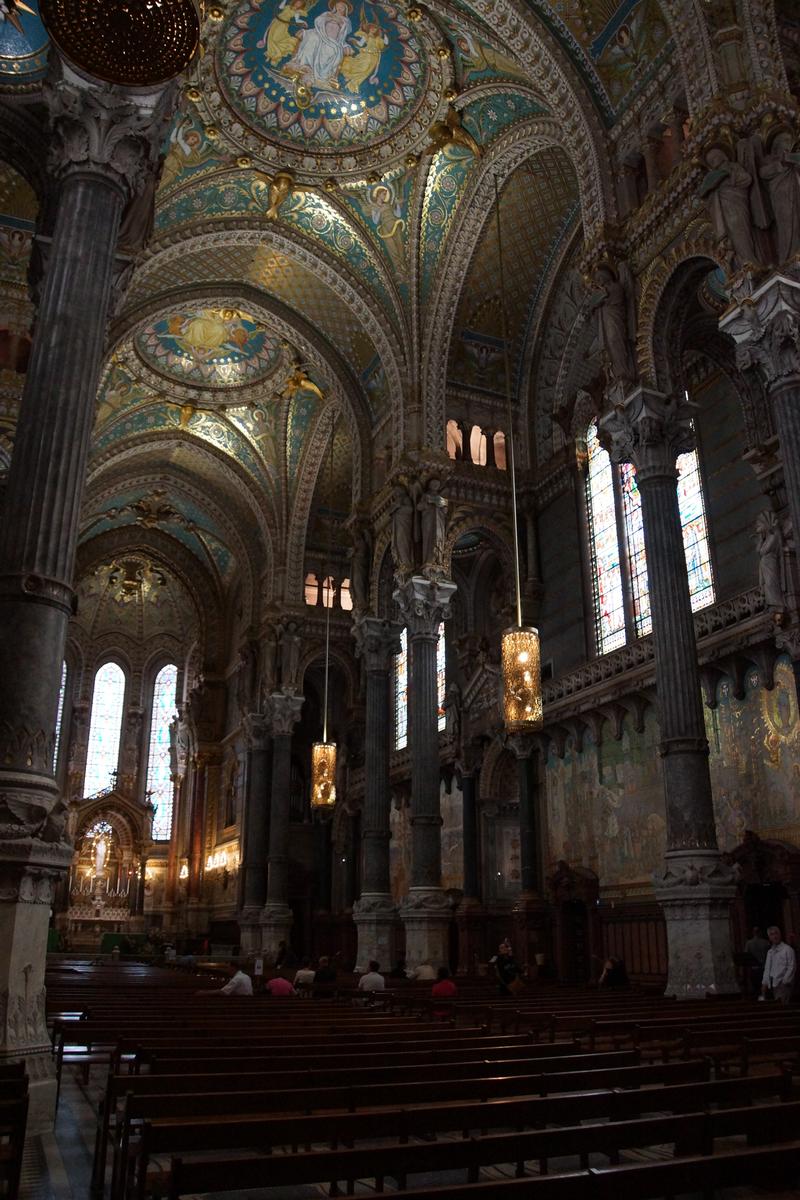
60	714
159	775
609	609
441	659
695	531
108	698
401	694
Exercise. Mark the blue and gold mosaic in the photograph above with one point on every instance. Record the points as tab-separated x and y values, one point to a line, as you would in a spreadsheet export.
214	347
23	43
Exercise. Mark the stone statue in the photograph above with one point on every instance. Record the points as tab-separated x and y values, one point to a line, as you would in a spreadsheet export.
781	174
769	540
452	709
360	565
403	530
269	652
289	633
734	201
100	854
433	520
614	301
246	676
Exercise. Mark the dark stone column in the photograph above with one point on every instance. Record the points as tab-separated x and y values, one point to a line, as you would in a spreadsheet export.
470	912
696	889
276	920
425	911
374	913
531	914
767	334
256	832
105	144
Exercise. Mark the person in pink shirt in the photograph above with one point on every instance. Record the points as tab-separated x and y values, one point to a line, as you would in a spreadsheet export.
443	989
279	987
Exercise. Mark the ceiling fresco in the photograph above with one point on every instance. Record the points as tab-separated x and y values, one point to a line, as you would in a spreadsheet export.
216	347
136	597
23	44
18	208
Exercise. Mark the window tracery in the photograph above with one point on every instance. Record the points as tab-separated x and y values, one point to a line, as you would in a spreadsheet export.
105	728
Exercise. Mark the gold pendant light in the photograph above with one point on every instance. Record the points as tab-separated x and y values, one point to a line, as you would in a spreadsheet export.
520	654
323	754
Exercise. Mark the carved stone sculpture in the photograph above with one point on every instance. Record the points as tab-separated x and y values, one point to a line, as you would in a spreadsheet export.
769	540
290	645
614	303
781	174
403	530
433	521
360	570
726	190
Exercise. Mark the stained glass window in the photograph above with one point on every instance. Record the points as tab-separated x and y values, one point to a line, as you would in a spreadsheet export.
108	698
401	694
695	530
634	537
159	781
607	573
62	691
441	658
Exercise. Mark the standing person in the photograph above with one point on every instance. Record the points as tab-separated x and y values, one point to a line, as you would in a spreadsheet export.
507	970
779	968
756	946
372	981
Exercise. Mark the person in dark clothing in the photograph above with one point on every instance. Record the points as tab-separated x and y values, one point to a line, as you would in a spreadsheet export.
614	974
399	971
507	970
324	978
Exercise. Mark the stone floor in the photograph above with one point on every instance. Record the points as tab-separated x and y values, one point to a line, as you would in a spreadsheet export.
58	1165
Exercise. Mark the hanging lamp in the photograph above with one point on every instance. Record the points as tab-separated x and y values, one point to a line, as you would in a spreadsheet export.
323	754
520	650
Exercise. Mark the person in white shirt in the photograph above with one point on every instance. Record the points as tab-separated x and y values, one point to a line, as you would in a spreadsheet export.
779	968
239	984
304	977
372	981
424	973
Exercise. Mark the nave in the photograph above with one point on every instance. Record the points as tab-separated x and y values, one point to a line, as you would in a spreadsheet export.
169	1088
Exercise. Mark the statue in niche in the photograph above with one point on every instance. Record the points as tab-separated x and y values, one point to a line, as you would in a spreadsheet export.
452	709
246	676
734	200
269	652
360	564
432	508
289	634
403	530
100	854
616	320
770	544
780	171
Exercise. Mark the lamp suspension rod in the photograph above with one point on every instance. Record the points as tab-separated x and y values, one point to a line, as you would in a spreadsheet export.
328	582
510	438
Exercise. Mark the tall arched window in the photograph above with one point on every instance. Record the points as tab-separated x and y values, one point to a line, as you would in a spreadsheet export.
62	692
105	728
614	510
159	777
401	694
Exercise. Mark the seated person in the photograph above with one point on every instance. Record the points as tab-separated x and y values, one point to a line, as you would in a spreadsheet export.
279	987
239	983
444	989
614	974
372	981
304	976
399	971
424	973
324	977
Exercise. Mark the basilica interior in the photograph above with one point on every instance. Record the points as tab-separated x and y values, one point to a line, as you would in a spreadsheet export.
339	346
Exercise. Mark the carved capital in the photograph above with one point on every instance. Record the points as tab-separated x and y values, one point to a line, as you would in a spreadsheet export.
424	604
766	329
285	712
377	642
256	727
649	430
105	131
523	745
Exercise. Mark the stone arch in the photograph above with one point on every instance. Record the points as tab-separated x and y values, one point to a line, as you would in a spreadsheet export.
474	210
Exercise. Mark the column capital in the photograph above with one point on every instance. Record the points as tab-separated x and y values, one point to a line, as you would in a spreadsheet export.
424	604
766	328
649	430
102	130
256	729
285	712
377	641
524	745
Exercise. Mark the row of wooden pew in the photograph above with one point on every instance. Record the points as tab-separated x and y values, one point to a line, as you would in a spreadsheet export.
208	1093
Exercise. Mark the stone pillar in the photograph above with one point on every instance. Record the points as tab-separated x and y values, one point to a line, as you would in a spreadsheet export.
197	830
105	143
425	911
276	917
374	912
696	889
256	832
531	914
470	912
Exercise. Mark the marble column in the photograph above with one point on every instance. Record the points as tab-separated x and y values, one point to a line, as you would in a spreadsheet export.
766	330
696	889
425	911
375	915
197	839
105	143
276	916
531	913
256	831
470	912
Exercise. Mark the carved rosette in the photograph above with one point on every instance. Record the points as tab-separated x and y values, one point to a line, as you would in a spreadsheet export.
649	430
101	130
766	329
377	642
424	604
